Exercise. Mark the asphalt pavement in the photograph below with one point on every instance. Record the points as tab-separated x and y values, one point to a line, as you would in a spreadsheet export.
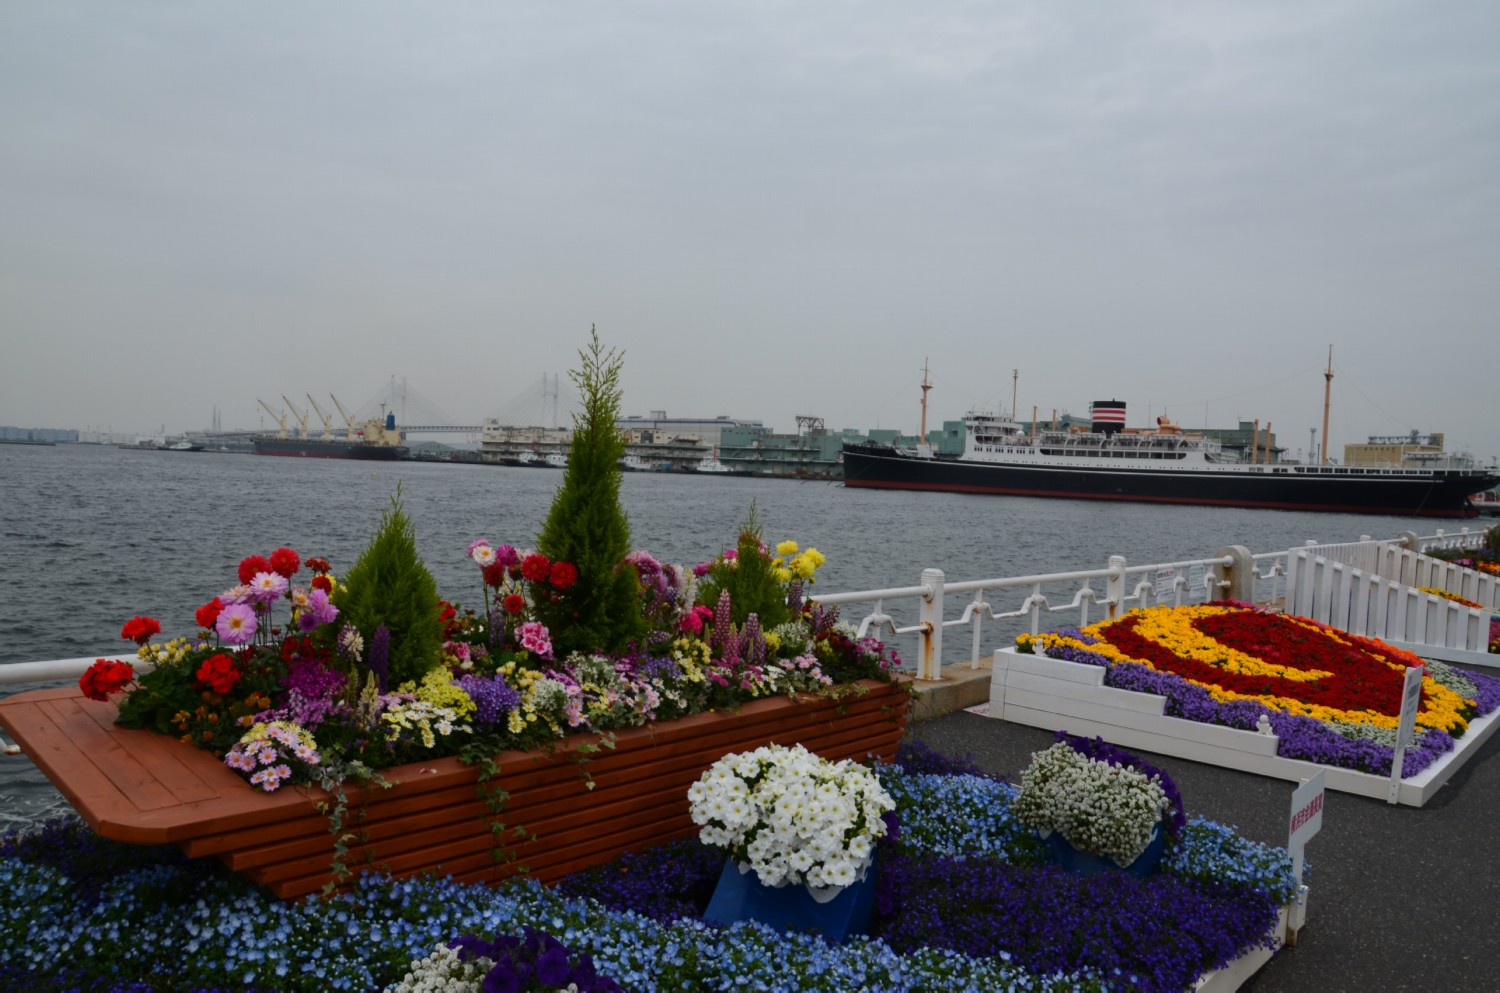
1401	898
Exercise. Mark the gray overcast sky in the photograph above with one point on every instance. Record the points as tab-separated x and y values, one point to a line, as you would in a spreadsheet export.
772	208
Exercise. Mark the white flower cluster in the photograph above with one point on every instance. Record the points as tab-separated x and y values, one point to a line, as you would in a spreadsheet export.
1097	806
444	972
795	818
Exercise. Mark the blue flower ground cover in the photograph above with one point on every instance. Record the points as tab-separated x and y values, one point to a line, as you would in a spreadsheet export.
965	902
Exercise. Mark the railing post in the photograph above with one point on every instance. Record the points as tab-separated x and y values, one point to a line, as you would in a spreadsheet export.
1114	587
1239	574
930	643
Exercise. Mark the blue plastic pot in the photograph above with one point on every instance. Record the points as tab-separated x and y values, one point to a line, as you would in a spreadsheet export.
742	896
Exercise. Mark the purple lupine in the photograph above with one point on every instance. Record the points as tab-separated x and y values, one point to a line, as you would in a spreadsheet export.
380	656
723	626
754	642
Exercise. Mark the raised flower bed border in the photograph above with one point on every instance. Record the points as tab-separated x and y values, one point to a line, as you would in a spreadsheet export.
567	808
1049	693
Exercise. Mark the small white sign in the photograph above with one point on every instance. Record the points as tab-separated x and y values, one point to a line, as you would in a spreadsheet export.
1196	576
1411	699
1307	812
1165	582
1306	821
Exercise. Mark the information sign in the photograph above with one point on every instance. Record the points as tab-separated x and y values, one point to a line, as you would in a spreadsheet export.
1165	582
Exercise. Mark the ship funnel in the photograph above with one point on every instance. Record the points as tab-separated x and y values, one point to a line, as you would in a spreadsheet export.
1108	416
390	422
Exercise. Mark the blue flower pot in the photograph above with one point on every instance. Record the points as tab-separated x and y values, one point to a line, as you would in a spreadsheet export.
742	896
1087	864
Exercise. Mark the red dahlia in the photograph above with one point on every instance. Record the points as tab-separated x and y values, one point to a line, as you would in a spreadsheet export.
494	574
536	567
285	562
515	603
253	564
564	574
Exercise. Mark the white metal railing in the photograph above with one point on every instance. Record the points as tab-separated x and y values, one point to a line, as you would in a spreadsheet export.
1121	586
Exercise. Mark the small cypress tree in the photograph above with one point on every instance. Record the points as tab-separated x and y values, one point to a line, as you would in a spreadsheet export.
586	524
390	586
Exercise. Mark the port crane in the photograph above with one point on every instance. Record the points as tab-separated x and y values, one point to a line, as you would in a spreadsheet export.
276	415
301	416
348	417
323	416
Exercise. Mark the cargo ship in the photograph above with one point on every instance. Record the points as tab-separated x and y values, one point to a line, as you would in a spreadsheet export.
1106	461
377	440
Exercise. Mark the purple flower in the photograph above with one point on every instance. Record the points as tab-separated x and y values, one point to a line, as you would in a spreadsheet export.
507	556
380	656
493	698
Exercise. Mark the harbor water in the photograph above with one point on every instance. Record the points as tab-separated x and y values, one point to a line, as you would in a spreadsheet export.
91	536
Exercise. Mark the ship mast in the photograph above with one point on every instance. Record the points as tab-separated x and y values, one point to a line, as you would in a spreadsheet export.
924	449
1327	395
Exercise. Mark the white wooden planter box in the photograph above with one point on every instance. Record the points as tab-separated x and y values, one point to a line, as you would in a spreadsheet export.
1237	973
1044	692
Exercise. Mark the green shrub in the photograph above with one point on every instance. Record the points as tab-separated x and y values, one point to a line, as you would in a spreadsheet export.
389	585
586	525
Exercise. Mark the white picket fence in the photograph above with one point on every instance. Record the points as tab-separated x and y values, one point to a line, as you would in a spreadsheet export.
1371	588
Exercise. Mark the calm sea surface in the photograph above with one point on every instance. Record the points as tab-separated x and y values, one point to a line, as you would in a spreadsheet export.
91	536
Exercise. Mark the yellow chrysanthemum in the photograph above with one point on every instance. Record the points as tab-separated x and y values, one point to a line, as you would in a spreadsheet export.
786	548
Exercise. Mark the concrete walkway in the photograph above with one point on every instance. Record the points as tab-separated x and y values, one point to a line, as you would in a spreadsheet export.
1401	898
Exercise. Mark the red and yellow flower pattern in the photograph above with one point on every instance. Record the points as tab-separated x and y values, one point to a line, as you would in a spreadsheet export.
1286	662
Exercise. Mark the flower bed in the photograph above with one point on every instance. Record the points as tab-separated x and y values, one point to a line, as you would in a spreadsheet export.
964	905
1325	696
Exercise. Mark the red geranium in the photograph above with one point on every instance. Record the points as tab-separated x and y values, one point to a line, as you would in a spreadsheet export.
104	677
322	582
140	629
251	565
564	574
285	562
515	603
208	614
218	673
536	567
494	574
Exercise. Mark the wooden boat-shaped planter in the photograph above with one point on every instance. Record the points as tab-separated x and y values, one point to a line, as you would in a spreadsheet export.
577	807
